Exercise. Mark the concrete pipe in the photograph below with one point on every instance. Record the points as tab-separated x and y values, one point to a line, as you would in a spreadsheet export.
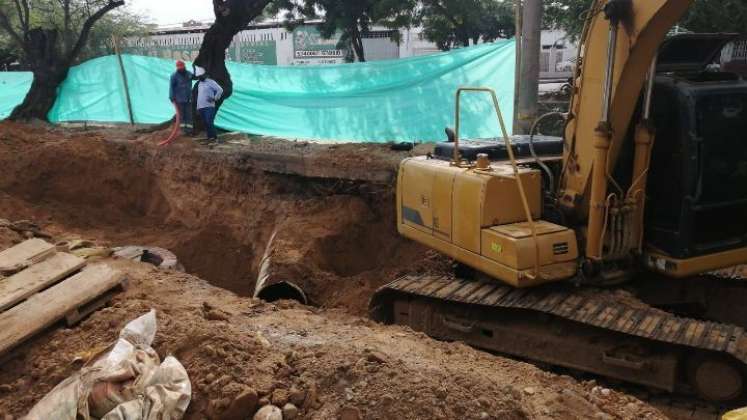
270	286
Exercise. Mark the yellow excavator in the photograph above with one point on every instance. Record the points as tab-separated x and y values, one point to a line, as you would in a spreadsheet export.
603	251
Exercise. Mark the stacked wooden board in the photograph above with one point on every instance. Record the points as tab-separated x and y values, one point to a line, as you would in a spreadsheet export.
40	286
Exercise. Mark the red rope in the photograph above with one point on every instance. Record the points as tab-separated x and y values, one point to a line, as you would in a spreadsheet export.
175	129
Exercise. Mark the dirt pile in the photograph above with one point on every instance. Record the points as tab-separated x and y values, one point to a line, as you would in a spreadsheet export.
242	353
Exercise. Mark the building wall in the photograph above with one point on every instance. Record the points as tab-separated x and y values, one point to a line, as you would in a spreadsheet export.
558	56
272	44
734	57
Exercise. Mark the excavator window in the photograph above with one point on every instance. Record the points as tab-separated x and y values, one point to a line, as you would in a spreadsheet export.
721	121
697	194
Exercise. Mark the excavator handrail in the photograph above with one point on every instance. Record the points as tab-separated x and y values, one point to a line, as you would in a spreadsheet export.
511	155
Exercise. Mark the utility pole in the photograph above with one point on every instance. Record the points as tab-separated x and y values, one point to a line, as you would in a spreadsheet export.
531	44
518	11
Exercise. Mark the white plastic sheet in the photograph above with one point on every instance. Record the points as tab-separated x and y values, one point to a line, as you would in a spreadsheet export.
127	383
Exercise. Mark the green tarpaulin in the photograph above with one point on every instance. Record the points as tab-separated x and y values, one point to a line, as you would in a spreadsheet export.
94	91
402	100
13	88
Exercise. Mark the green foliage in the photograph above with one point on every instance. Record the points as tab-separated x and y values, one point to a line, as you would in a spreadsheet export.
66	19
568	15
717	16
703	16
452	23
117	25
350	18
9	53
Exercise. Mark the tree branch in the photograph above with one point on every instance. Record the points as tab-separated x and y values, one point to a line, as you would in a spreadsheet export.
221	8
19	12
66	35
88	25
445	13
5	24
27	13
22	18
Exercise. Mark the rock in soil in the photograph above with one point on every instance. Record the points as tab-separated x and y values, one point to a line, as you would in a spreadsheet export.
279	397
269	412
350	413
290	412
243	406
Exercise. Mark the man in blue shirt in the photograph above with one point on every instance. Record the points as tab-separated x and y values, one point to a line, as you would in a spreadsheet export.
209	93
180	93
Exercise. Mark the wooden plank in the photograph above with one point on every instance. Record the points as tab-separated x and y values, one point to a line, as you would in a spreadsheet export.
38	277
45	308
24	254
76	315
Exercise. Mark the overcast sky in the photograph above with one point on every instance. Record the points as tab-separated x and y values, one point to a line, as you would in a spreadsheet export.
164	12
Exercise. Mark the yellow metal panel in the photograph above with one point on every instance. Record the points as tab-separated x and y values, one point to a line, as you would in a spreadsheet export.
468	192
517	278
416	189
443	186
557	244
502	202
680	268
524	230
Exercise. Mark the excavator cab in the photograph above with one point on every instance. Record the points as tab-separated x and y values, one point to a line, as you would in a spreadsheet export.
697	187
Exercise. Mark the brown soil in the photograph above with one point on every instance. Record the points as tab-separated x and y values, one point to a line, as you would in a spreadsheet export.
215	215
336	239
335	360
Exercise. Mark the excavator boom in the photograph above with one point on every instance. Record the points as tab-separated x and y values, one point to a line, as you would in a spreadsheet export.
620	43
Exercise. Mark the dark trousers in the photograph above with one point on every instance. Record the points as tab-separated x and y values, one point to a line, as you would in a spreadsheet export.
208	117
185	110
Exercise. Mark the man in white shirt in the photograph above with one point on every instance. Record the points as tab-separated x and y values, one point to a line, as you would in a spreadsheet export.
208	93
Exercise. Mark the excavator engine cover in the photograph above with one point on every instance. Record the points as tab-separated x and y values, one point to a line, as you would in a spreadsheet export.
477	217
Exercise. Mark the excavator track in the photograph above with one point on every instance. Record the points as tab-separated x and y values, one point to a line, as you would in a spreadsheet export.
606	332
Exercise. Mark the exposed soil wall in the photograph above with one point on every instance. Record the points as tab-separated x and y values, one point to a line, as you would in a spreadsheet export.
215	213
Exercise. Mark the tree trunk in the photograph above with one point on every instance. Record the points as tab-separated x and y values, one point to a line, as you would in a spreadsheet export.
49	63
41	97
231	17
357	40
49	72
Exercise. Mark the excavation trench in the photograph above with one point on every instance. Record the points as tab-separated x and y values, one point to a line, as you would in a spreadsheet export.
334	241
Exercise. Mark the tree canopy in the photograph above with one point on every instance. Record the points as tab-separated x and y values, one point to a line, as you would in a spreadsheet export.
50	35
568	15
350	19
117	25
703	16
452	23
8	52
717	16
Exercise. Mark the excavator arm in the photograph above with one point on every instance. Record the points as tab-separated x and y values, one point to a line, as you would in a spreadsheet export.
620	42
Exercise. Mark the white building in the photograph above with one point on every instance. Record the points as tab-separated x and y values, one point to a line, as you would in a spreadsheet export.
558	56
267	43
734	57
272	44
